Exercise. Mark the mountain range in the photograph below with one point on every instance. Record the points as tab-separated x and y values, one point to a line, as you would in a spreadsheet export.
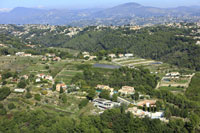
129	13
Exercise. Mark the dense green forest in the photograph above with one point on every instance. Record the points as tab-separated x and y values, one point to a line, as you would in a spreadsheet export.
140	78
114	120
11	41
46	37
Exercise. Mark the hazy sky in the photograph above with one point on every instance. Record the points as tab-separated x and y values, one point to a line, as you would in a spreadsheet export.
92	3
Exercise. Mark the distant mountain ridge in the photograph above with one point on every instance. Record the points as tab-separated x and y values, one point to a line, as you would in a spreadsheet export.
118	15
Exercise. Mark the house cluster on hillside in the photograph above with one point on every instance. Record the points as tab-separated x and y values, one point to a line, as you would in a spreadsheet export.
51	57
3	45
104	104
23	54
66	88
31	46
120	55
87	55
126	90
72	31
59	86
137	111
105	87
147	103
42	76
141	114
25	77
135	27
173	75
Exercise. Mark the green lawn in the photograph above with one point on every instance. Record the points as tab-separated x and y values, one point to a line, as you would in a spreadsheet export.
182	81
70	72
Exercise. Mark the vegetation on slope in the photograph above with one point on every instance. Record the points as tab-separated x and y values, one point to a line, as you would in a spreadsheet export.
158	43
193	91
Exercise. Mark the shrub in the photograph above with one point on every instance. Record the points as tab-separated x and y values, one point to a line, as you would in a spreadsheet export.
37	97
83	103
21	84
11	106
4	82
3	111
28	95
44	92
4	92
1	106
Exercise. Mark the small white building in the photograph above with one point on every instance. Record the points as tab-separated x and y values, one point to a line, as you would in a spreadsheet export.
112	55
156	115
86	53
20	54
41	75
198	43
129	55
19	90
27	55
49	77
37	80
92	57
50	55
86	56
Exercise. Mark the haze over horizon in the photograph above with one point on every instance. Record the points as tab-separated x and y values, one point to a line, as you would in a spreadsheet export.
6	5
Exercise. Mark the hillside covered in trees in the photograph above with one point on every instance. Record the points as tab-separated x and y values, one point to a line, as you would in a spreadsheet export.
115	120
173	45
41	108
159	43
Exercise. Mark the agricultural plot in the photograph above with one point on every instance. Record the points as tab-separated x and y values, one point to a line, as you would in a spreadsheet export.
133	61
171	88
14	63
67	73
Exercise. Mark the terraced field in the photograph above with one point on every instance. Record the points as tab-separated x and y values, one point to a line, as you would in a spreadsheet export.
67	73
132	61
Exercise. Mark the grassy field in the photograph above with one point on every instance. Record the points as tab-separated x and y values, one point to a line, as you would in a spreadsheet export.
172	88
15	63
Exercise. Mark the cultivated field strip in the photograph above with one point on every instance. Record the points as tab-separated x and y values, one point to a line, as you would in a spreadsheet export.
132	61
